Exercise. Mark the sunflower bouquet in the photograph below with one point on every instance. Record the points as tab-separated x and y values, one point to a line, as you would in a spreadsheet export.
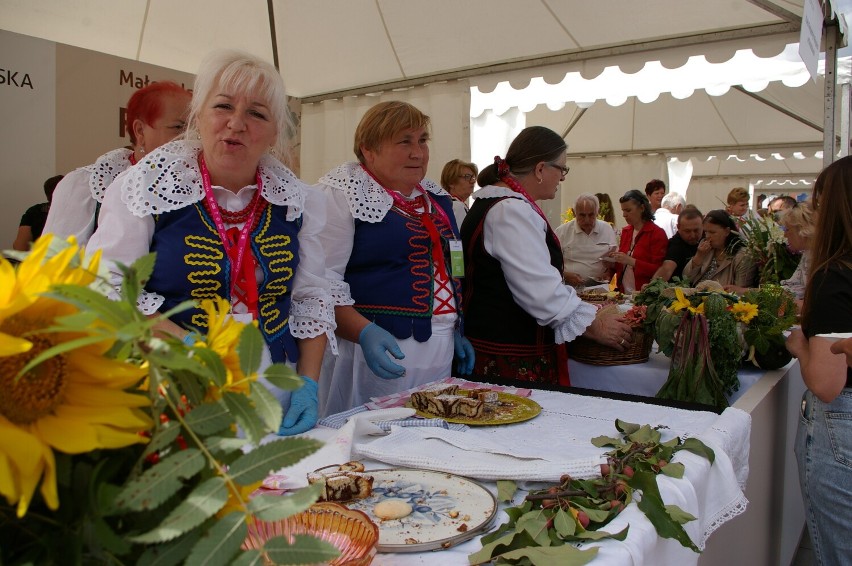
708	333
118	446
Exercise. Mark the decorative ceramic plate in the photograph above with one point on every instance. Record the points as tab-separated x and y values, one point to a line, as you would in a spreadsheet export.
508	409
447	509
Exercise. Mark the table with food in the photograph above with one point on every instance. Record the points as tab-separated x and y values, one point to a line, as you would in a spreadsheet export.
550	474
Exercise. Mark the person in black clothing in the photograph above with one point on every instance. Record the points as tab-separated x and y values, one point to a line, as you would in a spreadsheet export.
32	222
683	245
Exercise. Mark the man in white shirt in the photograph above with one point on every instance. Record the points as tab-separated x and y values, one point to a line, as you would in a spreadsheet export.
585	240
666	216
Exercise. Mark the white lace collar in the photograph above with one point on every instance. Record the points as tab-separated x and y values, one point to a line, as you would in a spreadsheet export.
368	200
168	179
493	191
105	169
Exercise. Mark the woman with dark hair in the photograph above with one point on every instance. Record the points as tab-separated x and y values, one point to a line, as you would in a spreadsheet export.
518	313
643	244
156	114
655	190
824	438
722	255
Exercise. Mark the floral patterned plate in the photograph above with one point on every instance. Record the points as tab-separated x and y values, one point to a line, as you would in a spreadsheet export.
508	410
447	509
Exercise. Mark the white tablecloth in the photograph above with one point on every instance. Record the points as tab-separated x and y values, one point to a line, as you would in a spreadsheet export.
560	437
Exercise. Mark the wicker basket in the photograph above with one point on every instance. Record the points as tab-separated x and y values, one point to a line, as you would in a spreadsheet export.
590	352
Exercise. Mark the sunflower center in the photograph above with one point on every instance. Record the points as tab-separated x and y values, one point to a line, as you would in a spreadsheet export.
38	391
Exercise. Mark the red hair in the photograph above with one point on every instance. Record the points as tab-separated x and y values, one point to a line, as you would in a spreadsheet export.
146	103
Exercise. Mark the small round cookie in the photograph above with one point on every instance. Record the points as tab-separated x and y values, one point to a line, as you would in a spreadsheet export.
392	509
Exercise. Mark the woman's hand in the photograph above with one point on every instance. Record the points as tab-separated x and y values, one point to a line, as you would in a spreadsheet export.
572	279
465	356
704	248
843	347
622	258
304	409
376	344
610	331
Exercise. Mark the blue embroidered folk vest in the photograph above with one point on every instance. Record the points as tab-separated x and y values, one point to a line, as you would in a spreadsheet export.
192	264
390	271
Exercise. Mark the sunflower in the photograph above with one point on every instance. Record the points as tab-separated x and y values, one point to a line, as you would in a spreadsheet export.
744	312
682	303
223	335
74	402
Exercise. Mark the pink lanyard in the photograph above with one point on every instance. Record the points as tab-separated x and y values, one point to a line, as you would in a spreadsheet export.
242	244
425	218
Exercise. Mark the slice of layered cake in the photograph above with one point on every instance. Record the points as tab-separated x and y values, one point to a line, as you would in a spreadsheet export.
447	404
342	483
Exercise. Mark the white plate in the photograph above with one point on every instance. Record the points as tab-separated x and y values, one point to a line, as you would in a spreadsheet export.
433	496
835	336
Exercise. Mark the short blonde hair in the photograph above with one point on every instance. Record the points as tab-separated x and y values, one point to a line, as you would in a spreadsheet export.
452	171
801	217
245	73
385	120
738	194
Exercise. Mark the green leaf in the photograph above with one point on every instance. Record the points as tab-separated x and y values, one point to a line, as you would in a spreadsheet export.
625	427
267	406
190	385
163	436
277	507
595	515
601	535
90	301
222	446
169	554
564	523
603	441
108	539
697	447
679	514
534	524
161	481
283	377
60	348
673	469
645	434
143	267
204	501
263	460
506	490
510	541
209	418
221	542
565	555
242	410
304	550
250	349
652	505
249	558
217	372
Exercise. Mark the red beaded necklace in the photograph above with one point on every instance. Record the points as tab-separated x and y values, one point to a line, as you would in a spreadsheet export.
239	216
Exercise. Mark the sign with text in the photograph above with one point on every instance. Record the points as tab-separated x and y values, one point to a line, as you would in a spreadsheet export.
810	36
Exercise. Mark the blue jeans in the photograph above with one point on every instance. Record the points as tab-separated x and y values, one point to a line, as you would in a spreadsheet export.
824	453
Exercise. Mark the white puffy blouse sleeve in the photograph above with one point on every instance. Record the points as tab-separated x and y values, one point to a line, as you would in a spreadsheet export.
337	239
513	234
72	210
312	307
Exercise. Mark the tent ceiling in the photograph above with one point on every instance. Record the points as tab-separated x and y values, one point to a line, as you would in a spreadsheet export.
327	46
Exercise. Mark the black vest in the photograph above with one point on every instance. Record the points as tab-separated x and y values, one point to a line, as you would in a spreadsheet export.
491	313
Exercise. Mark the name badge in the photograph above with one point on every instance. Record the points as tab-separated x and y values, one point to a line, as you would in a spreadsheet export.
456	258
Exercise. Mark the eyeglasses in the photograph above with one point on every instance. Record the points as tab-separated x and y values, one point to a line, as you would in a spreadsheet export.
562	168
468	177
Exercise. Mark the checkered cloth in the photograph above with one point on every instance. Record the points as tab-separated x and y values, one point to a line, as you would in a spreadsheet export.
399	399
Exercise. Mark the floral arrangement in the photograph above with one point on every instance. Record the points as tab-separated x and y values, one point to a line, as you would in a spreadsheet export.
767	246
569	215
545	528
119	446
707	331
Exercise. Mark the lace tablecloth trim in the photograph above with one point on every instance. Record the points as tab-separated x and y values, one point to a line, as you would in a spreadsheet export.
725	514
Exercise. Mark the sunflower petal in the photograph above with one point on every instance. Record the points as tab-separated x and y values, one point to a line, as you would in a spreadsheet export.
99	370
119	417
12	345
69	436
48	484
98	396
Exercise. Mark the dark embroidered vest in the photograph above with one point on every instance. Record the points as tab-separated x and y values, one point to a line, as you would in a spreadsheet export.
491	313
192	264
390	271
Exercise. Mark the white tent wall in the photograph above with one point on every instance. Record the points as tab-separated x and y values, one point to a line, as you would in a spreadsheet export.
328	127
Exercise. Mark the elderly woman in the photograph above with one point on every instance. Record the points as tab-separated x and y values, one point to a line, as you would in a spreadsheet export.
458	178
156	114
824	438
389	237
722	255
518	313
221	199
642	246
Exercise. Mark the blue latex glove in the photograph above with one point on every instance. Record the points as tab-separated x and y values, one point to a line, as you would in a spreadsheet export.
376	342
465	357
304	409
